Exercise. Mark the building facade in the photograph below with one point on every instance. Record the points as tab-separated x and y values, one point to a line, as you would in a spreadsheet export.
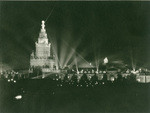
42	56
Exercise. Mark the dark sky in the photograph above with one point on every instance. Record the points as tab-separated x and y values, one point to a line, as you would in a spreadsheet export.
118	30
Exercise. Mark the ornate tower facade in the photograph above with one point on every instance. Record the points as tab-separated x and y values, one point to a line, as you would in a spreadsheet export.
42	56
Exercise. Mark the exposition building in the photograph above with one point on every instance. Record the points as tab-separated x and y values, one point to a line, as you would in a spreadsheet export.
42	57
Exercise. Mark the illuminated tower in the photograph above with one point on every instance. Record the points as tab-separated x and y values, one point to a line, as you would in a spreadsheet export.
42	56
43	46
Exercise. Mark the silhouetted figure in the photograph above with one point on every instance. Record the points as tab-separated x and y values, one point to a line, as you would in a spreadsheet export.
84	79
131	78
74	79
66	78
94	79
104	78
37	71
119	78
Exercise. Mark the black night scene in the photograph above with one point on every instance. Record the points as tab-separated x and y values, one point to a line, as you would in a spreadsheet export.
74	57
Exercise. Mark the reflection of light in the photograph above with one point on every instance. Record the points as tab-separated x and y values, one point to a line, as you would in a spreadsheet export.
14	81
18	97
11	79
103	83
8	80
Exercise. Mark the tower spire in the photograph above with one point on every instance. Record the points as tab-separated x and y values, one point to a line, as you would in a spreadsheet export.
43	25
43	33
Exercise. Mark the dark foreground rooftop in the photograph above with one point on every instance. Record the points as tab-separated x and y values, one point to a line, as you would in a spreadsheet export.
44	96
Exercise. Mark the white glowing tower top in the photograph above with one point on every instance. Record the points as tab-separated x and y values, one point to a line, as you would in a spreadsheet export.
43	26
43	35
43	46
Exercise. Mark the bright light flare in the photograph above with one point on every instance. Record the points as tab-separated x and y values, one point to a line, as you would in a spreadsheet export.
112	79
18	97
105	60
134	72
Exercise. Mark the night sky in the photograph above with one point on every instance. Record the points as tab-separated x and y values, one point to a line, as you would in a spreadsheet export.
118	30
